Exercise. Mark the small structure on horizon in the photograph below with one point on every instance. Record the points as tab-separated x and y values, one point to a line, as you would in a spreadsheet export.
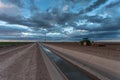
85	42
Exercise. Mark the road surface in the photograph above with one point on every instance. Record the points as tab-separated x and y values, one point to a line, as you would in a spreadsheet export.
23	63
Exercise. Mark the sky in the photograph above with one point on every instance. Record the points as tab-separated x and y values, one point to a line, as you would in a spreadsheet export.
59	20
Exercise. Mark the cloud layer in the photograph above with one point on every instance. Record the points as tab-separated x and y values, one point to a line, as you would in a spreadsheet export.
68	20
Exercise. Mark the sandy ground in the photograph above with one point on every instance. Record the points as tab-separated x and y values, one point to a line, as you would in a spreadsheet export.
103	62
22	63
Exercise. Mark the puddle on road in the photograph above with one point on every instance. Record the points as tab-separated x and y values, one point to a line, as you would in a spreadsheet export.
70	71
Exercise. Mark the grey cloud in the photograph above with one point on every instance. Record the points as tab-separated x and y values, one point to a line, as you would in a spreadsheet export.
109	26
37	20
41	20
33	7
77	1
10	19
53	17
93	6
45	20
116	3
13	19
8	29
105	34
66	17
106	24
19	3
31	22
74	1
96	19
98	35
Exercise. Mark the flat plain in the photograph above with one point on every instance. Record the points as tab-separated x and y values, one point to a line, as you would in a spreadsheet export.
26	61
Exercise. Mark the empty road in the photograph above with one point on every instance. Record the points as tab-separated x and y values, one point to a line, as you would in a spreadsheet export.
23	63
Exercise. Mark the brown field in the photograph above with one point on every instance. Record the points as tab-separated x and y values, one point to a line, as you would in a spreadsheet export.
101	59
111	50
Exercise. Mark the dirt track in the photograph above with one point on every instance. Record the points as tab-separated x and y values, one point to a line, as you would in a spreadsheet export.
23	63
